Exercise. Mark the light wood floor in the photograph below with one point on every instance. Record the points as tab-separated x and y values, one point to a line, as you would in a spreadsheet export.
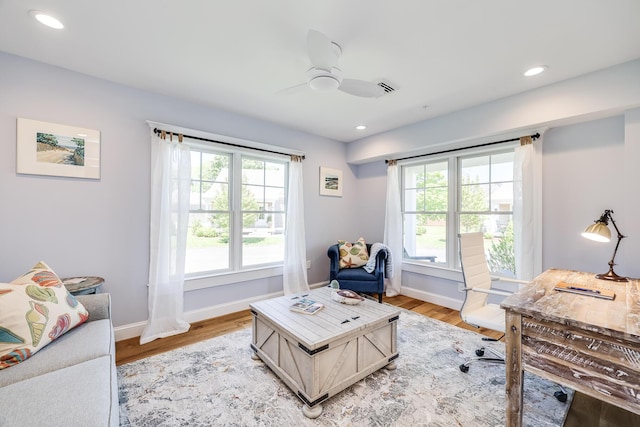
584	412
130	350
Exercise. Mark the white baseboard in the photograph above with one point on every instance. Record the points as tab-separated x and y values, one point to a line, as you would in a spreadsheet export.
438	299
133	330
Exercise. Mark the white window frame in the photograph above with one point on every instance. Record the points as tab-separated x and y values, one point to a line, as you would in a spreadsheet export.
449	270
249	148
236	273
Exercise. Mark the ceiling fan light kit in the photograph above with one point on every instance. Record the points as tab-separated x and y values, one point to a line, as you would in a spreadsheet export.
324	81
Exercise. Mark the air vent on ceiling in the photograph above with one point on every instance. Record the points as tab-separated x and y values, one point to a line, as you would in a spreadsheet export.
387	88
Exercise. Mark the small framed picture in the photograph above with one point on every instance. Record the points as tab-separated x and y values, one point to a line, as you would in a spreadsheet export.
57	150
330	182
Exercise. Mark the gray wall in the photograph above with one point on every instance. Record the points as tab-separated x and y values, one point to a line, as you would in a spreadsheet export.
582	176
587	168
590	157
101	227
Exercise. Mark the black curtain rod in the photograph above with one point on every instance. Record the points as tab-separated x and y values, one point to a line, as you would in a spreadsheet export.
159	132
534	137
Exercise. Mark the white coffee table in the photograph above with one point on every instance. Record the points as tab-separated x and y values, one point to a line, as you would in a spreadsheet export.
319	355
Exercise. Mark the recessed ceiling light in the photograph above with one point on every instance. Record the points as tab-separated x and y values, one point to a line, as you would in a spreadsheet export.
47	20
534	71
361	127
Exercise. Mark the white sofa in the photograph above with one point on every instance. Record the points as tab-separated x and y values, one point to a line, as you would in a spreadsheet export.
71	382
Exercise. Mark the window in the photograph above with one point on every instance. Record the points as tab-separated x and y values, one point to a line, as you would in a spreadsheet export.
459	194
237	212
426	206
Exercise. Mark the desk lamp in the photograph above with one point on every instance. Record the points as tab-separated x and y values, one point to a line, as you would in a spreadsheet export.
599	232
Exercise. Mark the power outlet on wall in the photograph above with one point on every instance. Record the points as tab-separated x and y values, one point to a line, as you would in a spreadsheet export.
308	264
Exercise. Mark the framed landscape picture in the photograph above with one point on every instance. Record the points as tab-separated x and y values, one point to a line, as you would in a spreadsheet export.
57	150
330	182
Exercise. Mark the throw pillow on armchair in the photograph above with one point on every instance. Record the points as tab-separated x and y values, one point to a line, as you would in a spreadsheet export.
353	255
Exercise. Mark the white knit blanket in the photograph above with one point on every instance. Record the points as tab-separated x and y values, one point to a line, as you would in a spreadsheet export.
371	264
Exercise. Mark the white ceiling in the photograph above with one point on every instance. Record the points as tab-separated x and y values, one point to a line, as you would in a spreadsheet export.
237	55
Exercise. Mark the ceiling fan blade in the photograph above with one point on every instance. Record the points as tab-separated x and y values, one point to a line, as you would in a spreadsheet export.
361	88
293	89
323	53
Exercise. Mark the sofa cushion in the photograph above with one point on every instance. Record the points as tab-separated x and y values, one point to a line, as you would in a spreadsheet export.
79	395
353	255
89	341
35	309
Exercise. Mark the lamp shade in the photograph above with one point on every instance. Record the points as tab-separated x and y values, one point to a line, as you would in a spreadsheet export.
598	231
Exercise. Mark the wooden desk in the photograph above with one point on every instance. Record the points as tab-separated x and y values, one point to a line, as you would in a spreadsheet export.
589	344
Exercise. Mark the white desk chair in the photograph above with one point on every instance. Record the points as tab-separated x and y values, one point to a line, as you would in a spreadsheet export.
476	311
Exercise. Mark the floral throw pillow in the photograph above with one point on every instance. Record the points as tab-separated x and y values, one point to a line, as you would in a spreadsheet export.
353	255
35	309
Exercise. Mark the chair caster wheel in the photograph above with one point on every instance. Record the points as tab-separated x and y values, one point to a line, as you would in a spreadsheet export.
561	396
464	368
480	352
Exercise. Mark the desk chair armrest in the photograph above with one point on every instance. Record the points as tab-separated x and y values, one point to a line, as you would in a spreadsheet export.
488	291
508	280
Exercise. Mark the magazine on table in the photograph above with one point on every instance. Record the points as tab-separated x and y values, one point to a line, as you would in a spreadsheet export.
306	306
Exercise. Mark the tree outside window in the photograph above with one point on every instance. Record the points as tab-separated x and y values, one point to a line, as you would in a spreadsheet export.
484	196
235	222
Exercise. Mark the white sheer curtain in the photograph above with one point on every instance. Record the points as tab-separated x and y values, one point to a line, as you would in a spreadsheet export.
170	192
393	228
295	252
527	208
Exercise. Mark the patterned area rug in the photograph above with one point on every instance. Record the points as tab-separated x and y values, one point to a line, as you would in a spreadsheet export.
216	383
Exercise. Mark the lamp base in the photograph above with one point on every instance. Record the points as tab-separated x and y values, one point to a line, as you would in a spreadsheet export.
612	276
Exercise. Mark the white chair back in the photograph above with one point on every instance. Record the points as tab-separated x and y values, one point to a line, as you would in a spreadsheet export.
474	270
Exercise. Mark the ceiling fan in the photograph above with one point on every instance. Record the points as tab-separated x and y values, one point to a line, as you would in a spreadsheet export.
324	75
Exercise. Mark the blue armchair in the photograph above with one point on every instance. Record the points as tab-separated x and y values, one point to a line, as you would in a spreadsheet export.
357	279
